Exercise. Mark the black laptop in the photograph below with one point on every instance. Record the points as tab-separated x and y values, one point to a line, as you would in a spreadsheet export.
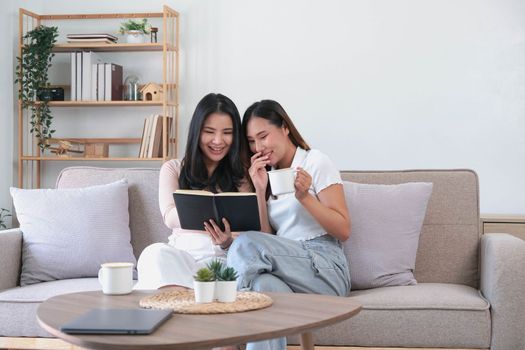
117	321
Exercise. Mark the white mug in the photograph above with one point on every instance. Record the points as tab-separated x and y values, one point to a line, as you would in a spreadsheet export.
282	181
116	278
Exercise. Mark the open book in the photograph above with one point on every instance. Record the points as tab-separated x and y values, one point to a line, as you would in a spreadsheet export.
239	208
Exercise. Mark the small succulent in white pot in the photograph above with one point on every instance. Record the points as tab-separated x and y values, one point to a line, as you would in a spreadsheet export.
204	286
215	266
226	289
135	30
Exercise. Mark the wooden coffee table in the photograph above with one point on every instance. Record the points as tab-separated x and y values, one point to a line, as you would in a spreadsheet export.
289	314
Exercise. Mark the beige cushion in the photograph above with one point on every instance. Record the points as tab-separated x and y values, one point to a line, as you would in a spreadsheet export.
386	223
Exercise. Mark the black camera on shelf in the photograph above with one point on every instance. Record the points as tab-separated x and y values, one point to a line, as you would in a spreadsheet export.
50	94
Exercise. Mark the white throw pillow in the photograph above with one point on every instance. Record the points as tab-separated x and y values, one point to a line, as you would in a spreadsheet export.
386	224
68	233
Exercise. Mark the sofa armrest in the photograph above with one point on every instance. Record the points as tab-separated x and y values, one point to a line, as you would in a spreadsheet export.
502	282
11	257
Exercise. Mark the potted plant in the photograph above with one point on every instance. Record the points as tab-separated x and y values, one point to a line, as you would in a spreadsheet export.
204	285
135	30
226	288
32	68
215	266
4	213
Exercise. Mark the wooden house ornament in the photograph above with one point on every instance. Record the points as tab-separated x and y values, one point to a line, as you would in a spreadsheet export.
151	92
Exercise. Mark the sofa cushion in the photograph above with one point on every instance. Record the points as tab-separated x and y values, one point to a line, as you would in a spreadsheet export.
68	233
18	305
145	220
386	224
432	315
449	242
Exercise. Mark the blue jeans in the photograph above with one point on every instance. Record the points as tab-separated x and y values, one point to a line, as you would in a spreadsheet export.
269	263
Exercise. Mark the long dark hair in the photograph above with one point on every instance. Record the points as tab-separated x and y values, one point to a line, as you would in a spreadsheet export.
276	115
230	172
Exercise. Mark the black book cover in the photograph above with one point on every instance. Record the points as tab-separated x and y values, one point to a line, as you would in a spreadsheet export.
196	207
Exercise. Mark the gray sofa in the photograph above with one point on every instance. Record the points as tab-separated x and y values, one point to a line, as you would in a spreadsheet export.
469	295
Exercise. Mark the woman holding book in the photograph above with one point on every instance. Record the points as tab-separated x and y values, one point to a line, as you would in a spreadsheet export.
212	162
300	248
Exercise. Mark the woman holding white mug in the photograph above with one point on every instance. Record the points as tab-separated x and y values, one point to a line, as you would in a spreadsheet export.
299	249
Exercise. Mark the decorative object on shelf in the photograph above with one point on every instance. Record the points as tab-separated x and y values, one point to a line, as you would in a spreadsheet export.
96	150
50	94
132	88
154	31
204	285
32	68
4	213
64	147
135	30
151	92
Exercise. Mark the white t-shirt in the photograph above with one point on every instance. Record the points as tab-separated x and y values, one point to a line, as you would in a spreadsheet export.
287	216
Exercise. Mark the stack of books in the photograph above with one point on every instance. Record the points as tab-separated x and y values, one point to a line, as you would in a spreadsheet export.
102	38
94	80
151	143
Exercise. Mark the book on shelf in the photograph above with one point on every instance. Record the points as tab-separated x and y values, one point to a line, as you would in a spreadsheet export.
89	58
113	82
94	81
101	81
73	60
239	208
92	36
151	145
90	41
78	73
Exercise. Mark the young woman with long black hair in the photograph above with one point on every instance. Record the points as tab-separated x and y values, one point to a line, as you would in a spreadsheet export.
212	162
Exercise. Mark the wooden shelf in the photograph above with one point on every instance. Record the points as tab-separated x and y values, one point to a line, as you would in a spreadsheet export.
108	140
103	103
81	159
124	47
164	55
113	141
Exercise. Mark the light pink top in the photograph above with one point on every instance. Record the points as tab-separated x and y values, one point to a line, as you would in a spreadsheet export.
168	183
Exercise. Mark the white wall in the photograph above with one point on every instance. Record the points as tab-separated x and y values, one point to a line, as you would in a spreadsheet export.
376	84
6	103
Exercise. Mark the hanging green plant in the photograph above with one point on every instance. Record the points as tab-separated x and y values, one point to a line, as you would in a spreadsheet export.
32	74
4	214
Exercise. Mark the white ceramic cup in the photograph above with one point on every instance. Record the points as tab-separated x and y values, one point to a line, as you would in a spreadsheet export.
116	278
282	181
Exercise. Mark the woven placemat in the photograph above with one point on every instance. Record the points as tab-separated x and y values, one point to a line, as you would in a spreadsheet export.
183	302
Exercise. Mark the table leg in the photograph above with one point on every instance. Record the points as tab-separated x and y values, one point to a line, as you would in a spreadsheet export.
307	341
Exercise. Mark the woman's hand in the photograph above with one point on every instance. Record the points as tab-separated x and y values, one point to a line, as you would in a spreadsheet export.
258	172
221	238
302	183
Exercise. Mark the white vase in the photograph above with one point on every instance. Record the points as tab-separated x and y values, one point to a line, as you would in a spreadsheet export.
134	37
226	291
204	291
